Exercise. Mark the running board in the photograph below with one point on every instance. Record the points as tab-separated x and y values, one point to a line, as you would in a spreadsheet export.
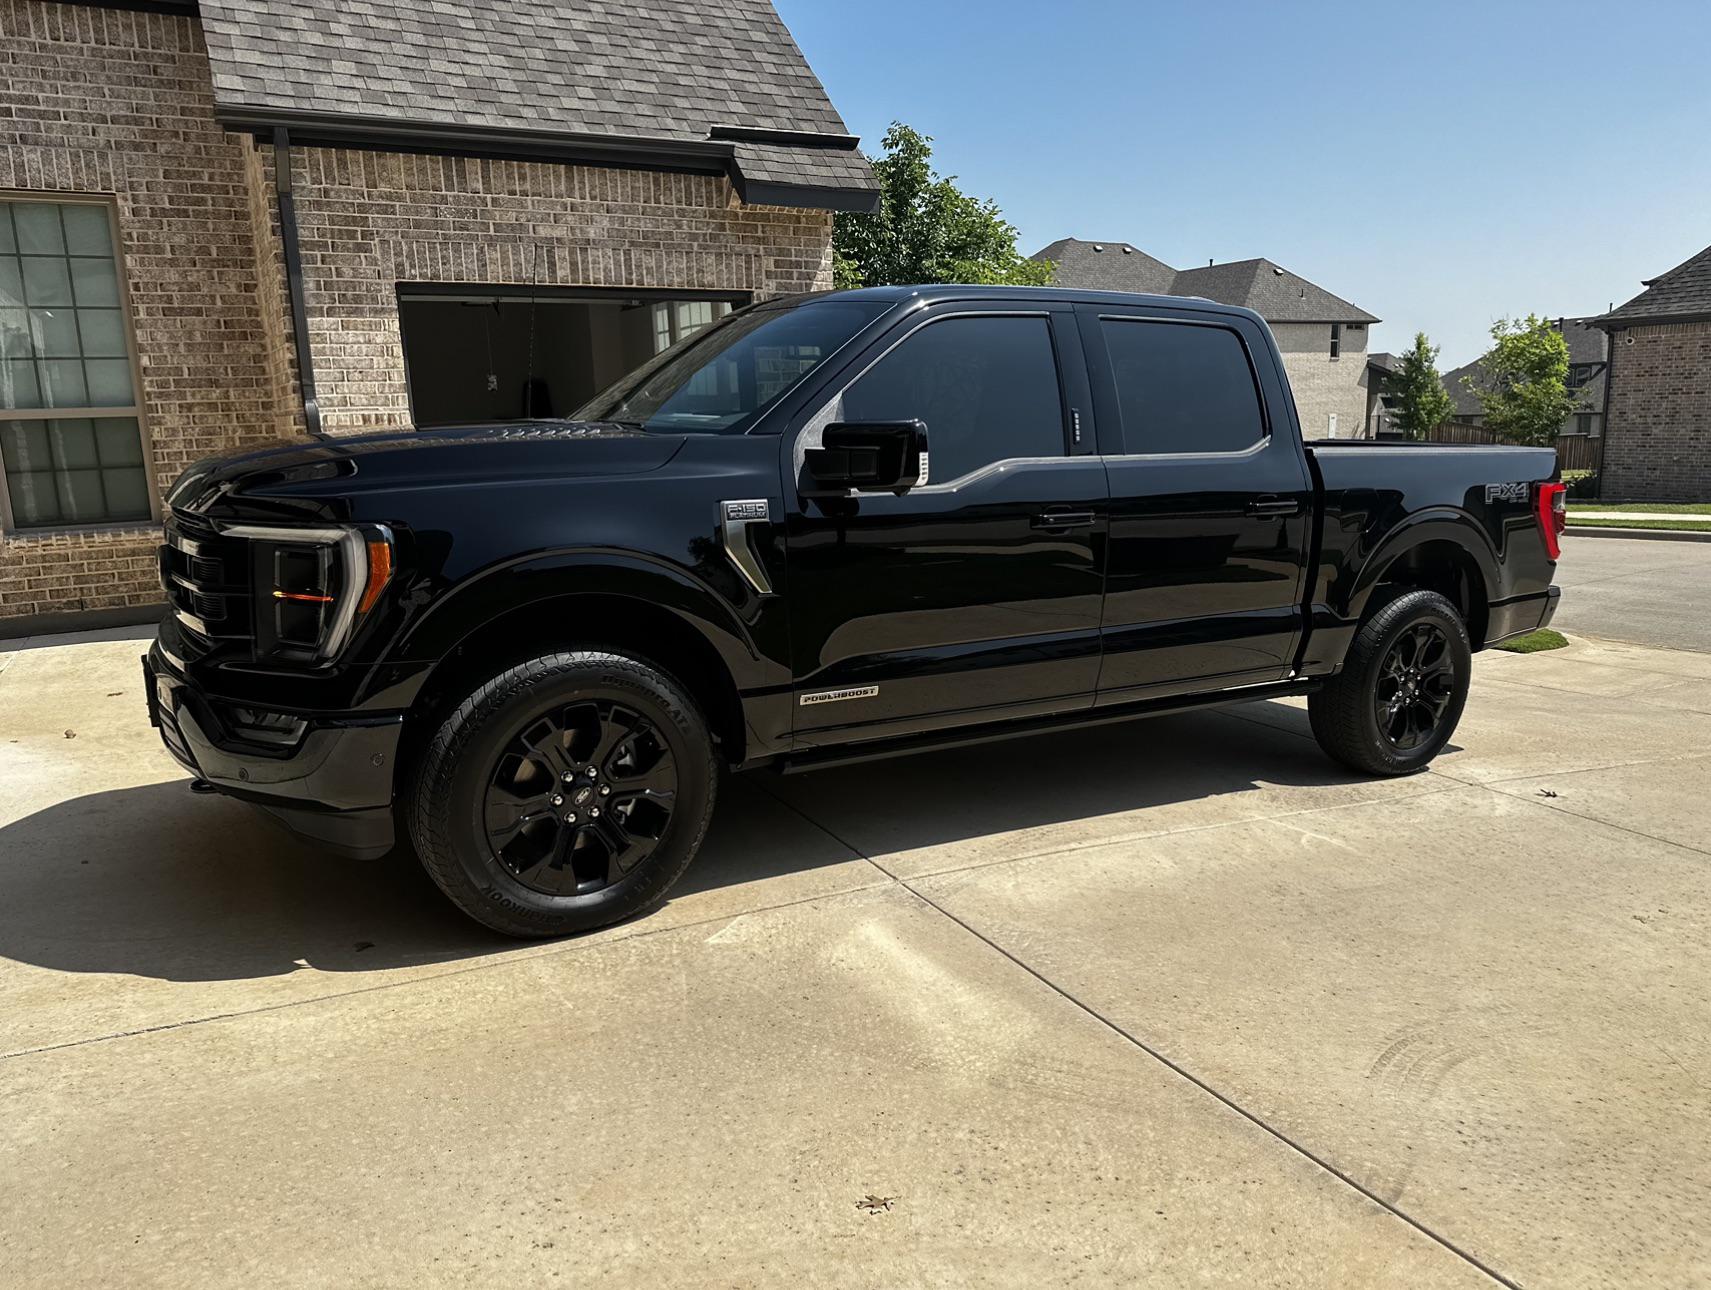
957	737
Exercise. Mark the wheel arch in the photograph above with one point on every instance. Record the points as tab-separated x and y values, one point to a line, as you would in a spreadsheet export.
1445	552
623	604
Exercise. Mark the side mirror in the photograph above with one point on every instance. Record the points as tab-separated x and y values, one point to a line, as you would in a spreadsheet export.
868	456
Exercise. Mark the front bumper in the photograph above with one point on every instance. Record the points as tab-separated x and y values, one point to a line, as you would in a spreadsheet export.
332	786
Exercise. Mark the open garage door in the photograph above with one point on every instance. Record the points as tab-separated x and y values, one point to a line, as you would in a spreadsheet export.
477	354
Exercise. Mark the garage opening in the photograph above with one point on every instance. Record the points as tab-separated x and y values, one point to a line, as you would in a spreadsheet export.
481	354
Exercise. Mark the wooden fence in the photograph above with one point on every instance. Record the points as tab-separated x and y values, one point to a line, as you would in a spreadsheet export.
1574	451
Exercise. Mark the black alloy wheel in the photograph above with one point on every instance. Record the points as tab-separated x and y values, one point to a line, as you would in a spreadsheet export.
1416	683
580	797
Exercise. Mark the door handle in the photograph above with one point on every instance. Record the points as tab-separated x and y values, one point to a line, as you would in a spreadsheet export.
1053	521
1274	506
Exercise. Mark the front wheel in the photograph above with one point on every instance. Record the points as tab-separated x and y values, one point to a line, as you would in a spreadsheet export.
566	793
1397	700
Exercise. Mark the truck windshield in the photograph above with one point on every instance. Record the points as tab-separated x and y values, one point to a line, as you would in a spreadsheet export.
721	379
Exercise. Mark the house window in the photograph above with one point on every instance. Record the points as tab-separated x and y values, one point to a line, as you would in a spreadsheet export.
1336	340
1583	422
675	319
71	438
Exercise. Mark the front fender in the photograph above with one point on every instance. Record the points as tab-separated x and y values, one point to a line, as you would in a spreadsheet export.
532	579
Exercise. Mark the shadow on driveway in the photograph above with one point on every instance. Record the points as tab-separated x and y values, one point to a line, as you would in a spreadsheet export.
156	882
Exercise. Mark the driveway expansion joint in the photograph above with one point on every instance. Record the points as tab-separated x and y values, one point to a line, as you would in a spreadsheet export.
1175	1068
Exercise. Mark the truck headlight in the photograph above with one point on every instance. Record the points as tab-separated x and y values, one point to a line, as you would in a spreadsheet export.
313	585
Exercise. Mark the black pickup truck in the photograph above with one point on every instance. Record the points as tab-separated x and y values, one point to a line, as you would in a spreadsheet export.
823	529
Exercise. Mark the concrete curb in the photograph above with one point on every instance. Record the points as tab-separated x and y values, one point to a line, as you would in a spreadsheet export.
1666	535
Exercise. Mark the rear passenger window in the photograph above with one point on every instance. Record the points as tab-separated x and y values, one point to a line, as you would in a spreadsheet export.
987	389
1182	388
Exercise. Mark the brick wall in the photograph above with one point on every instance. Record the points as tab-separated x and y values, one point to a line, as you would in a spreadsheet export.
107	101
116	102
369	221
1657	444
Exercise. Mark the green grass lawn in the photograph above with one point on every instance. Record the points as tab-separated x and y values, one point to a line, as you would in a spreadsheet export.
1690	523
1577	507
1533	642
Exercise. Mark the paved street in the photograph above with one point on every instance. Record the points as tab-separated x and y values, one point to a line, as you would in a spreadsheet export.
1643	590
1167	1004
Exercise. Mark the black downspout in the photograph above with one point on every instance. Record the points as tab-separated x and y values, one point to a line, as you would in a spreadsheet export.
294	279
1609	383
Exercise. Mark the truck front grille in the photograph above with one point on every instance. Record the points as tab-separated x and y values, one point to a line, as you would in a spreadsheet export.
206	578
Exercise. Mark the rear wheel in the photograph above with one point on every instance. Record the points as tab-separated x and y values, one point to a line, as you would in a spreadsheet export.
1397	700
566	793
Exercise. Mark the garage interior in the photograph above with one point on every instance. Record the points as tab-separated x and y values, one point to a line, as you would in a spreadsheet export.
476	355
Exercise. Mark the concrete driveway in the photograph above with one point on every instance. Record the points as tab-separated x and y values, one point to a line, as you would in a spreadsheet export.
1165	1004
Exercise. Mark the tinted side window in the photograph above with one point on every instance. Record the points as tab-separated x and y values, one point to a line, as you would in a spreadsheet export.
986	387
1182	388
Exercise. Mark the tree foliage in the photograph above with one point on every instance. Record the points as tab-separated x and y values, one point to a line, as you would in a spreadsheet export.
1524	381
1417	391
927	229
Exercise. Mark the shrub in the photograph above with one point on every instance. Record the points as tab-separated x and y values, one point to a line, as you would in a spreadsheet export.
1581	483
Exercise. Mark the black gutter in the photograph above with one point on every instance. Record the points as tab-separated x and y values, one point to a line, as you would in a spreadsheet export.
171	8
696	156
294	279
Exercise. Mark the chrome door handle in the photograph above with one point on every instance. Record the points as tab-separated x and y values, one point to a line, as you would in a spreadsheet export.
735	521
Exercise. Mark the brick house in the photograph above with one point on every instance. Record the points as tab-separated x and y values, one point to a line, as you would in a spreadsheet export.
1323	337
1657	436
230	222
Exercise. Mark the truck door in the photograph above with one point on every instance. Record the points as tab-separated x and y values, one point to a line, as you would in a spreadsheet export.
975	595
1211	503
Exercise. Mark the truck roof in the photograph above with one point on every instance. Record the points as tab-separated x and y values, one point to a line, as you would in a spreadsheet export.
935	292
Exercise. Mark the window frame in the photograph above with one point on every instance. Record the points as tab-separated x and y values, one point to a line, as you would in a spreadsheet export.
1268	427
137	411
807	434
1336	342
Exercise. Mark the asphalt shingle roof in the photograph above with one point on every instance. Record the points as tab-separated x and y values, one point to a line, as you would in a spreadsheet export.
1683	292
628	69
1271	291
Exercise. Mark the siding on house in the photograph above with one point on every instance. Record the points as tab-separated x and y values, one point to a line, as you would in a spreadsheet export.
1325	387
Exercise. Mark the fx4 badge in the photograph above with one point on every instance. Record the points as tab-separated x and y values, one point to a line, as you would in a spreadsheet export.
1508	492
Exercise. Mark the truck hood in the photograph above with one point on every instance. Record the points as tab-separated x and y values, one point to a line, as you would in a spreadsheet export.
418	458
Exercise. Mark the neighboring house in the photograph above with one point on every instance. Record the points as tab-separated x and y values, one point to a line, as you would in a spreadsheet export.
1381	370
1588	362
1657	446
1323	337
232	222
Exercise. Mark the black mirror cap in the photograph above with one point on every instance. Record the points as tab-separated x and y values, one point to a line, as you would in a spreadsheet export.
868	456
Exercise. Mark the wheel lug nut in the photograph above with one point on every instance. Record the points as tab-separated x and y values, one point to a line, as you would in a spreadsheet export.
558	799
568	776
570	817
605	789
594	812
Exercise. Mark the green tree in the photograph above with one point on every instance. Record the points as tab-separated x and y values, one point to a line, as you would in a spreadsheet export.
1523	386
927	229
1417	391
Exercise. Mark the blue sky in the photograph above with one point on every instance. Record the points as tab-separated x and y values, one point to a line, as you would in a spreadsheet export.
1440	165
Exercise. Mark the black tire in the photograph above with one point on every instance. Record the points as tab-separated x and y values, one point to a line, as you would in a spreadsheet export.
477	801
1372	716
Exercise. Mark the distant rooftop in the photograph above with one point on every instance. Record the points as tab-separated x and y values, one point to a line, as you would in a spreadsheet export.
1270	290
